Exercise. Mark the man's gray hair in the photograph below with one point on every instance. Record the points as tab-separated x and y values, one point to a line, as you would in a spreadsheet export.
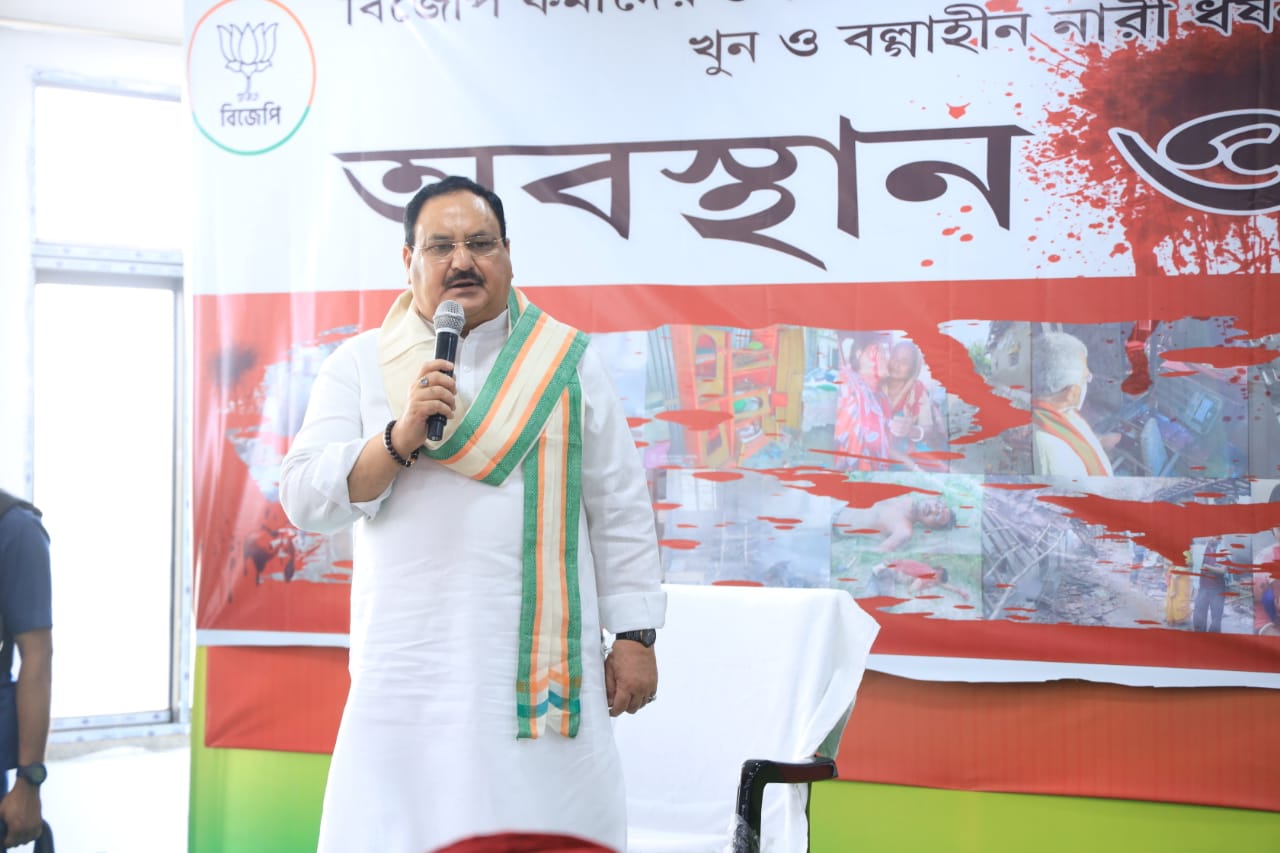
1057	362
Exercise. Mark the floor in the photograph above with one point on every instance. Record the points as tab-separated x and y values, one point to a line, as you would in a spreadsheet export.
118	796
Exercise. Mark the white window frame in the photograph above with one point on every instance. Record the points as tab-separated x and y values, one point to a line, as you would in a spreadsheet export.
129	267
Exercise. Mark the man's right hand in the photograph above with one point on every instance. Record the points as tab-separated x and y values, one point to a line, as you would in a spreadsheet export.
20	812
432	393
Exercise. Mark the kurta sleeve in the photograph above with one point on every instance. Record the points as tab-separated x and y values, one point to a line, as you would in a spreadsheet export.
620	523
313	477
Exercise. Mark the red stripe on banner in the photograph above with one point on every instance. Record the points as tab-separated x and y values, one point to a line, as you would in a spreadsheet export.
918	634
1210	746
918	308
286	698
912	304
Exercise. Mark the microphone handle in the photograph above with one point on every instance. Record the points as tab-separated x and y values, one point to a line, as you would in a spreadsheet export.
446	348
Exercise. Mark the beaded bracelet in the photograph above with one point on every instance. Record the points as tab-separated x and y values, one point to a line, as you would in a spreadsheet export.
391	448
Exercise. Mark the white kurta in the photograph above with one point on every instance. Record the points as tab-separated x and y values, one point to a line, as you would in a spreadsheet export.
427	750
1055	456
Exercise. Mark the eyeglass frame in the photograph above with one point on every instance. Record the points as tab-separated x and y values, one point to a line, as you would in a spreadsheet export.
498	242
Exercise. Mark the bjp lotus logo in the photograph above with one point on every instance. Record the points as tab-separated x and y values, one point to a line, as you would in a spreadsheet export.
245	112
247	50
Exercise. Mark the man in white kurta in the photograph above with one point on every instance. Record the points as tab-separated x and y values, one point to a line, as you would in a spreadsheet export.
427	752
1065	444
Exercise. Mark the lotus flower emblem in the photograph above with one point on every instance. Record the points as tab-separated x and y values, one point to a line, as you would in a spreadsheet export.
247	50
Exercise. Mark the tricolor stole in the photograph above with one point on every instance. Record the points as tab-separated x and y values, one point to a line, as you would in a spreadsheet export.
1056	424
529	413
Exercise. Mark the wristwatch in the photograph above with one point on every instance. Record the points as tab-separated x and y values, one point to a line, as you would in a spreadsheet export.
646	637
35	774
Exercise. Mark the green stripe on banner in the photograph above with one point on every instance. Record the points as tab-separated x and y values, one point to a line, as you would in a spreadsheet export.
845	816
247	799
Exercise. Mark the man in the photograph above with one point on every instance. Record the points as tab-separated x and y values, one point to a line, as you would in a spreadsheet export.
1064	443
896	518
1211	594
1263	585
486	564
26	611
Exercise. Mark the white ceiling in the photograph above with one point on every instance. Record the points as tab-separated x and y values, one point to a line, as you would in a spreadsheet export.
153	20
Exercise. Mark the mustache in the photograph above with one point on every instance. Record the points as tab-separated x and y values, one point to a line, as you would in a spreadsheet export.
463	277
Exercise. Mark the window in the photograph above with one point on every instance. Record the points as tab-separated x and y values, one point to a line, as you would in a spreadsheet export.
110	189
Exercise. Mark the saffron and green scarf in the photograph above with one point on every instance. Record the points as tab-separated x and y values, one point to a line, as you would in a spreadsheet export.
1055	423
528	413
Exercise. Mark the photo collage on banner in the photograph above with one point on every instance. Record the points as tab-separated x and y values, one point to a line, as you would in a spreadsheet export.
811	457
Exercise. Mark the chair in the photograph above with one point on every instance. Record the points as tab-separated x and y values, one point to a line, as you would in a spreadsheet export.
753	684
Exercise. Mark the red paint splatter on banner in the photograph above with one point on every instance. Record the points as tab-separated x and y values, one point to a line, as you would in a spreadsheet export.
1150	90
874	460
957	110
772	520
698	420
679	544
635	422
736	583
1223	356
1139	378
661	505
826	483
935	456
1176	373
1166	528
687	526
1002	6
719	476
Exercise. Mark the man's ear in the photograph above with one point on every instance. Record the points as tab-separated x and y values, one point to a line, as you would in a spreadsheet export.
1072	395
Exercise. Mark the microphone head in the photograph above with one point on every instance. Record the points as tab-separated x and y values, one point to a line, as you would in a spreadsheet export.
449	317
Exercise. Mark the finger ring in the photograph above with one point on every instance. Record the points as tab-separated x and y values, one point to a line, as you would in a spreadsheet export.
424	381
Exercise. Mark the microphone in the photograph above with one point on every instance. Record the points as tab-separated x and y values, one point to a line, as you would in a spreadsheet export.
448	321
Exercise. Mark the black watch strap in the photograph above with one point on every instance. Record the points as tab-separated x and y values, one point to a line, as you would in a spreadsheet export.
34	774
646	637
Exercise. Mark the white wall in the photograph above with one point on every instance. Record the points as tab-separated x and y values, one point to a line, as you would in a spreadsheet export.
23	53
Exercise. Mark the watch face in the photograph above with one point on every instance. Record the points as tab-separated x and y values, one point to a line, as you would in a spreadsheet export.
33	773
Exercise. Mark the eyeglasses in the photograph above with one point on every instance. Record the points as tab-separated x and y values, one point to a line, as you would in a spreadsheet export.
480	247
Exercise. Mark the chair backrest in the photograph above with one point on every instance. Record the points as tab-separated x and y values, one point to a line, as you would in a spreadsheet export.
743	673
